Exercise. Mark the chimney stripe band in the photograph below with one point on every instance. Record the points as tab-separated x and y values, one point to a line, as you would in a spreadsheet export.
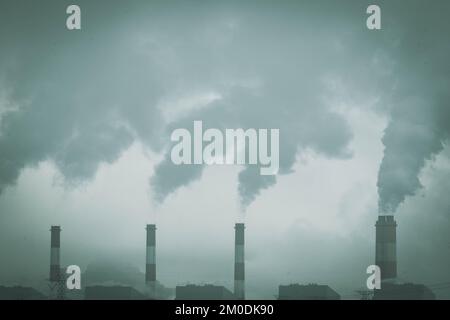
54	256
150	272
239	271
239	261
150	254
55	242
385	247
239	254
150	267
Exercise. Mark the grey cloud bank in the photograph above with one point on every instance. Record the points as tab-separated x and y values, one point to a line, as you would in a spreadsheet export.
84	97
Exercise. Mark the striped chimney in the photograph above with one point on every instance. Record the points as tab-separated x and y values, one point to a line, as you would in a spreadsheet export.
150	267
239	266
54	253
386	251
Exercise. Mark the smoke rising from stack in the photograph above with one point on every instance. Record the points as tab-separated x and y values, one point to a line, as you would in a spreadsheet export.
418	127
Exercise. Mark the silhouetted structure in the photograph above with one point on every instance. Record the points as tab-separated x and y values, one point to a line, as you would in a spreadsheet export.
385	249
150	267
20	293
307	292
405	291
55	242
112	293
56	279
239	262
205	292
365	294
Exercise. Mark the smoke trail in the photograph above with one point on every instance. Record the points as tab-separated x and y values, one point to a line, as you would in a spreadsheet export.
81	103
413	136
419	123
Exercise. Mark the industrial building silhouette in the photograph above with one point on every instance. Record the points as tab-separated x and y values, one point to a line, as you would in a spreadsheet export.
307	292
203	292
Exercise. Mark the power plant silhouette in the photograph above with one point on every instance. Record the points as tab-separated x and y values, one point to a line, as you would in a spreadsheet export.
385	259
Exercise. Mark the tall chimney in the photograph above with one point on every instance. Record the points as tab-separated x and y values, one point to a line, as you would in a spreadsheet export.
150	267
386	251
54	254
239	266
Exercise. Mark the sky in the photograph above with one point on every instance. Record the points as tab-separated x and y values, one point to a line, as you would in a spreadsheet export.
86	117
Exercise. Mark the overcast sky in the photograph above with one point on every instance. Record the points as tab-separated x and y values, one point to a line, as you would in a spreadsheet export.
364	119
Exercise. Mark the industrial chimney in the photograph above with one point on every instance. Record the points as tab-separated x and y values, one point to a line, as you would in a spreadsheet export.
57	277
150	267
55	268
239	266
386	251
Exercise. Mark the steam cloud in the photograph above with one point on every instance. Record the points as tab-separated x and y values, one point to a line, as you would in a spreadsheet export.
82	98
420	118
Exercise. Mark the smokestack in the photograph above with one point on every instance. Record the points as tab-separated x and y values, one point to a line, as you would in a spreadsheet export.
150	267
386	251
239	266
54	254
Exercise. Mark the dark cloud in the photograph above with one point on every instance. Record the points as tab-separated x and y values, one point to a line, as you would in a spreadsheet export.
273	81
83	97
